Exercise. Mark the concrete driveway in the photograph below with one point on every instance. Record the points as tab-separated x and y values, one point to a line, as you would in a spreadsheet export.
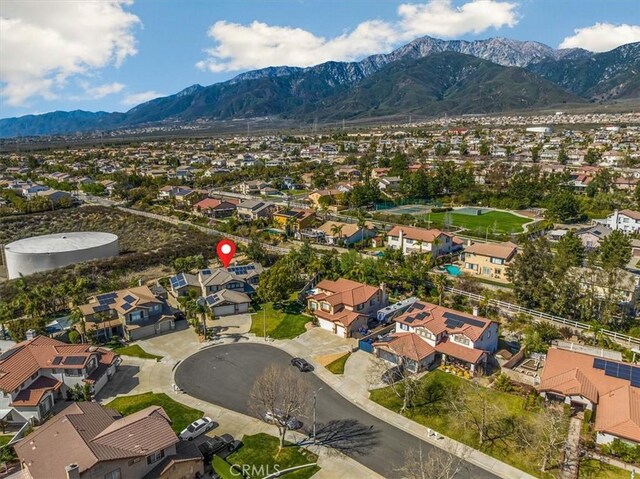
321	345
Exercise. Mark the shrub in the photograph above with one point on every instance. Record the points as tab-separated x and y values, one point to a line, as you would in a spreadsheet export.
74	337
503	383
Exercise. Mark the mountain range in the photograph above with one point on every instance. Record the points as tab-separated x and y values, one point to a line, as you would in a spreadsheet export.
425	77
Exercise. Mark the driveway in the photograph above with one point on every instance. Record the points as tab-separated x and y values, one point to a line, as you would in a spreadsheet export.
224	375
318	343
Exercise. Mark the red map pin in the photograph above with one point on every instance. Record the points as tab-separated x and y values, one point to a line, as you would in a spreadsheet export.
226	249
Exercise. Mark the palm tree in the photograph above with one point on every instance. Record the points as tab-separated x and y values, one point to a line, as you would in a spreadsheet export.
336	230
441	282
362	222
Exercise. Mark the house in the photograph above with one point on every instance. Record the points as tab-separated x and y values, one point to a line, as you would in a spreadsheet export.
254	209
624	220
346	233
596	282
319	198
609	388
132	313
224	290
87	440
182	194
344	306
55	196
489	260
215	208
296	219
591	237
109	186
427	334
389	183
37	373
421	240
251	187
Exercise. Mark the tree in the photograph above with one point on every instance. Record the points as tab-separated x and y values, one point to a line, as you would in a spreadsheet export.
447	463
563	207
441	282
570	252
256	251
615	251
545	437
281	394
279	282
530	271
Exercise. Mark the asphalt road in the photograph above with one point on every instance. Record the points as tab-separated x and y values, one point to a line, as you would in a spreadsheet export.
224	375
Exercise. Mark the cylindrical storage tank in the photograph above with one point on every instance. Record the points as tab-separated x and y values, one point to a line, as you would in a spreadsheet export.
43	253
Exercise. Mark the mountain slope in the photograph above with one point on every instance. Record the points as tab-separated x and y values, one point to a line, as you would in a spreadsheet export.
443	82
602	76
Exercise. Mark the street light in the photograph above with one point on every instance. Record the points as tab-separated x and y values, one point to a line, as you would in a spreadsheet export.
315	393
264	321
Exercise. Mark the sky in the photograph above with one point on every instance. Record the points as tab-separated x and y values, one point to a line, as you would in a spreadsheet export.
111	55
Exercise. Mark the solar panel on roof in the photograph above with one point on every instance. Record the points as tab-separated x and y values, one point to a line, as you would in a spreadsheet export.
129	299
624	371
635	373
635	383
56	360
418	306
410	319
611	369
453	320
73	360
421	315
100	308
598	363
206	272
126	306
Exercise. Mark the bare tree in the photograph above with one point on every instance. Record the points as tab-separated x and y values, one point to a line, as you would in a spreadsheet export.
447	463
546	436
281	395
402	381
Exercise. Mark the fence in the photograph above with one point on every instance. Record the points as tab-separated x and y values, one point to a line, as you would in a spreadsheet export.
622	339
365	343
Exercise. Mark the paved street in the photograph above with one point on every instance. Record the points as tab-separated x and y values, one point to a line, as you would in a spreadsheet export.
224	375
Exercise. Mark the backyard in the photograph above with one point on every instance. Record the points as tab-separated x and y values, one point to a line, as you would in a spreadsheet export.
437	414
261	451
180	415
284	321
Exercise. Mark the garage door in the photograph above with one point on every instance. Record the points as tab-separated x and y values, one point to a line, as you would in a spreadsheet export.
165	326
225	310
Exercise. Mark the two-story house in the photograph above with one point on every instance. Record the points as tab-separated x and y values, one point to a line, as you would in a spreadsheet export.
251	187
250	210
344	306
35	374
87	440
489	260
224	290
624	220
132	313
338	233
294	219
428	334
215	208
421	240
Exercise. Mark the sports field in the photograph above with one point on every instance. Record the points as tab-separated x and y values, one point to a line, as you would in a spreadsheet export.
498	222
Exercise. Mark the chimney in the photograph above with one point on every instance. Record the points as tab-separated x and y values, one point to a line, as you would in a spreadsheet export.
73	471
140	282
475	311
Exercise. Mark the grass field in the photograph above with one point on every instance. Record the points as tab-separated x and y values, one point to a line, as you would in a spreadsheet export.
136	351
593	469
261	450
286	322
498	222
439	417
5	438
337	366
180	415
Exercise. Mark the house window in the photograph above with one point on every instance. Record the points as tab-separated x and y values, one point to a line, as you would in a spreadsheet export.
153	458
486	271
404	327
497	260
498	271
360	307
471	266
113	474
325	306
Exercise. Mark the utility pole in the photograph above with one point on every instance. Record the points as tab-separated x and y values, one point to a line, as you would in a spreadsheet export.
315	394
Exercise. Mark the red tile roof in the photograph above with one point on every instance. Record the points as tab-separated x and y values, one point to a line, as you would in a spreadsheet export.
458	351
502	250
417	234
347	292
408	345
36	390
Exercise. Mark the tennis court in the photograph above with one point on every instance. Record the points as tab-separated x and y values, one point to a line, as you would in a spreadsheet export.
471	211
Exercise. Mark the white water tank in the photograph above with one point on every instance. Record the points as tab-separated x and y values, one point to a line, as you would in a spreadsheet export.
43	253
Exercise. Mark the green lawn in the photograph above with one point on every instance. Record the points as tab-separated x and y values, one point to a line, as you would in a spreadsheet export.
337	366
594	469
5	438
261	450
438	417
504	223
135	350
180	415
283	322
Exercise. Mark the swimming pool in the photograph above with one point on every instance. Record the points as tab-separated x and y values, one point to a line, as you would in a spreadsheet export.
453	270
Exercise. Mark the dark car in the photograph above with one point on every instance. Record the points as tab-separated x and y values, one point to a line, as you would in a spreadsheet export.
302	364
218	446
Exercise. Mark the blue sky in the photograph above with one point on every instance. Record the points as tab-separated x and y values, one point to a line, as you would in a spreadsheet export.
112	54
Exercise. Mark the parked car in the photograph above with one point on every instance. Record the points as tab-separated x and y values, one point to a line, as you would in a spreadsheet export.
196	428
218	446
302	364
276	416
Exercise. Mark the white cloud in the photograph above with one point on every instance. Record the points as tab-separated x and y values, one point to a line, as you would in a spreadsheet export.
137	98
602	37
440	18
99	91
258	45
44	43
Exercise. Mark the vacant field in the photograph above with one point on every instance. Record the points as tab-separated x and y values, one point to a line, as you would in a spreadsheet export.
498	222
144	244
